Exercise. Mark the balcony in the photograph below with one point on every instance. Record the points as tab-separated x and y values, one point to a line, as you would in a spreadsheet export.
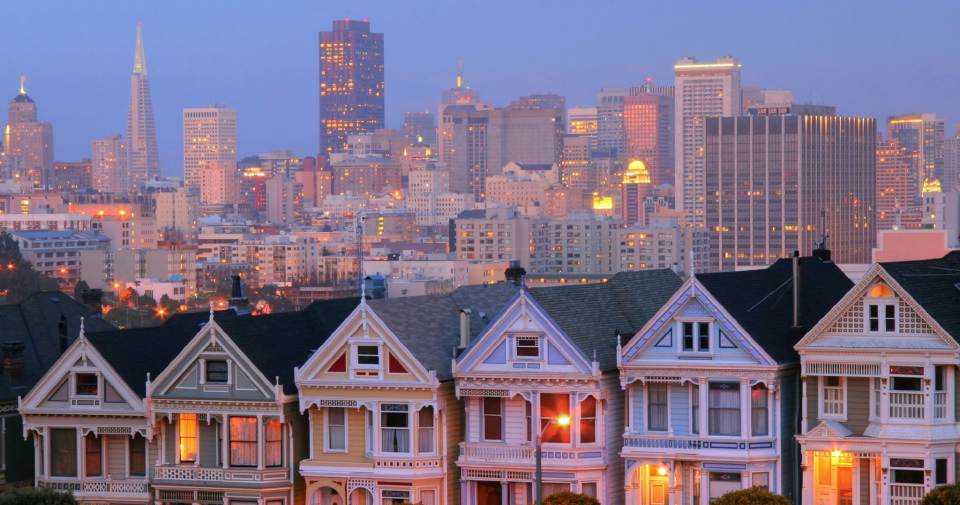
907	405
940	405
500	454
205	474
99	488
660	441
408	463
906	494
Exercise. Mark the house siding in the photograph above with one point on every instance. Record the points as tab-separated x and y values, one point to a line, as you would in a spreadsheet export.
356	438
680	409
208	443
452	422
116	456
613	426
813	402
636	404
858	404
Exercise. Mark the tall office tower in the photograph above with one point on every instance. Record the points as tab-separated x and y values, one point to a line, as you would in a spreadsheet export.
635	187
27	142
419	127
582	121
477	141
648	132
897	192
922	133
209	136
141	134
701	90
951	162
611	134
780	183
220	184
576	172
110	161
351	83
460	94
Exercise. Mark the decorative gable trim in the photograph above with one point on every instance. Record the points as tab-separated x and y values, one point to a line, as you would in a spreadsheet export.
829	429
854	297
492	340
692	290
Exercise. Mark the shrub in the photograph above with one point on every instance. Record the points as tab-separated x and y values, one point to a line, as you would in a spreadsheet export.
752	496
30	496
568	498
943	495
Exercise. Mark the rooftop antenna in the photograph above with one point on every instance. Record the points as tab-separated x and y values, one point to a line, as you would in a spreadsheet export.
459	74
363	285
23	84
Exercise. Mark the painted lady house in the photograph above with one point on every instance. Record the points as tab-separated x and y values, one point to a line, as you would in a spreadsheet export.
545	369
712	383
379	396
880	386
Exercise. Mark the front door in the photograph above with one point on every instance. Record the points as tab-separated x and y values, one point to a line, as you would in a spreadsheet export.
833	480
659	490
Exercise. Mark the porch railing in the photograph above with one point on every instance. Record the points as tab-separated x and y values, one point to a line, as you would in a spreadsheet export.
122	487
694	443
906	494
907	405
940	405
198	473
475	452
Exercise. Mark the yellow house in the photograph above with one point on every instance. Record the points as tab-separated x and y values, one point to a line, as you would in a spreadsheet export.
379	397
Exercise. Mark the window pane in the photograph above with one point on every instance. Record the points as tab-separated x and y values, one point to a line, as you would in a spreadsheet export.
368	355
890	321
86	384
395	428
589	489
336	428
724	413
188	437
703	336
588	420
273	432
138	456
492	419
758	404
694	409
528	347
657	399
907	383
425	430
217	371
552	407
687	336
93	447
63	452
243	441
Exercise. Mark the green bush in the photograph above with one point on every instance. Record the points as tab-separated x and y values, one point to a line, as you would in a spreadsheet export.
30	496
943	495
752	496
568	498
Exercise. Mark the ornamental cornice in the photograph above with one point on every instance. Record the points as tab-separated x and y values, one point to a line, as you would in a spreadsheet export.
215	406
305	387
669	374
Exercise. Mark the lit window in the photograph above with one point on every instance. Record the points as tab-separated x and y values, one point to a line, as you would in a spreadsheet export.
243	441
588	420
187	425
87	384
425	430
273	442
554	406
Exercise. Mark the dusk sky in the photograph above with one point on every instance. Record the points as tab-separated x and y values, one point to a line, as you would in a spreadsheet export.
869	58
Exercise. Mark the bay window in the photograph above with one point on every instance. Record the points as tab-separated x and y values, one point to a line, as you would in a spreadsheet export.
832	395
759	411
552	407
493	419
724	408
243	441
657	411
63	452
425	430
187	429
394	427
588	420
273	443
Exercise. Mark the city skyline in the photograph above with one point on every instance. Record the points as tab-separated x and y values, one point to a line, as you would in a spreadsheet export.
830	68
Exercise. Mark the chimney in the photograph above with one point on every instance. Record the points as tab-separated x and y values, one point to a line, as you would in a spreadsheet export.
12	360
515	273
796	289
464	328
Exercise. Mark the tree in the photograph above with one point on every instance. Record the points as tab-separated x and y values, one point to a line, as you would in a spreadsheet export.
81	288
169	305
752	496
943	495
18	279
30	496
568	498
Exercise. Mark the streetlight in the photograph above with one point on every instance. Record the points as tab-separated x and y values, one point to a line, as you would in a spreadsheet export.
561	421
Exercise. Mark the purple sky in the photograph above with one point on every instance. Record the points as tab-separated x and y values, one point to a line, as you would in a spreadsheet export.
867	57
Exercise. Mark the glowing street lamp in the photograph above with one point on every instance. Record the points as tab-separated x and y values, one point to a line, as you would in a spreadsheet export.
562	421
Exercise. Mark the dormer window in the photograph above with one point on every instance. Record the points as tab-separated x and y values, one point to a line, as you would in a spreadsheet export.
87	384
368	355
696	336
217	372
881	309
527	347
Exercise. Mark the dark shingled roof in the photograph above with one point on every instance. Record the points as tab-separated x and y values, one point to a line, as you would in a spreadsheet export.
275	343
935	285
761	301
592	314
35	321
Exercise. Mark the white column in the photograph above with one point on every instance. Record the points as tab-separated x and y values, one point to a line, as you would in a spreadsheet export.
46	451
81	455
644	408
929	386
745	408
260	444
704	413
704	486
504	493
225	441
803	405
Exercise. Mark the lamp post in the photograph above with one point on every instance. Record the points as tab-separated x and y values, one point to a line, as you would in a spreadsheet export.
561	421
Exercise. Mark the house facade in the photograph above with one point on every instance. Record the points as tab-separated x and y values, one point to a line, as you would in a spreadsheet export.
711	384
879	388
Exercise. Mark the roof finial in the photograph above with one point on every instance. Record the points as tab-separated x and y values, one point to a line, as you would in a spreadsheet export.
211	311
80	334
139	58
23	84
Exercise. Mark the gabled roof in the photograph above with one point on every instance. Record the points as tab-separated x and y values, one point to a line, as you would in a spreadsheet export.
275	343
35	321
761	300
429	326
934	285
592	314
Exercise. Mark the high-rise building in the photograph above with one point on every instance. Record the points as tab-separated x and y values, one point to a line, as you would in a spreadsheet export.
897	193
27	142
71	175
419	127
611	133
701	90
477	141
460	94
209	136
142	149
815	180
924	135
540	101
951	162
648	132
281	201
582	121
219	184
110	165
635	187
351	83
576	171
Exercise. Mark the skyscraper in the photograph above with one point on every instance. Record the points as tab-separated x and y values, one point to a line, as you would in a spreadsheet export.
780	183
27	142
109	160
611	135
141	134
209	137
701	90
420	125
460	94
897	191
924	135
351	83
648	134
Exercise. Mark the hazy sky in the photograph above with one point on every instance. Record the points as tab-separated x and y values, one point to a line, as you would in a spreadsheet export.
867	57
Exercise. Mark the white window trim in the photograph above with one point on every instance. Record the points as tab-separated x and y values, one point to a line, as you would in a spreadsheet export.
597	424
203	371
483	421
541	347
821	384
646	410
881	304
378	430
433	428
326	431
696	337
73	384
354	356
